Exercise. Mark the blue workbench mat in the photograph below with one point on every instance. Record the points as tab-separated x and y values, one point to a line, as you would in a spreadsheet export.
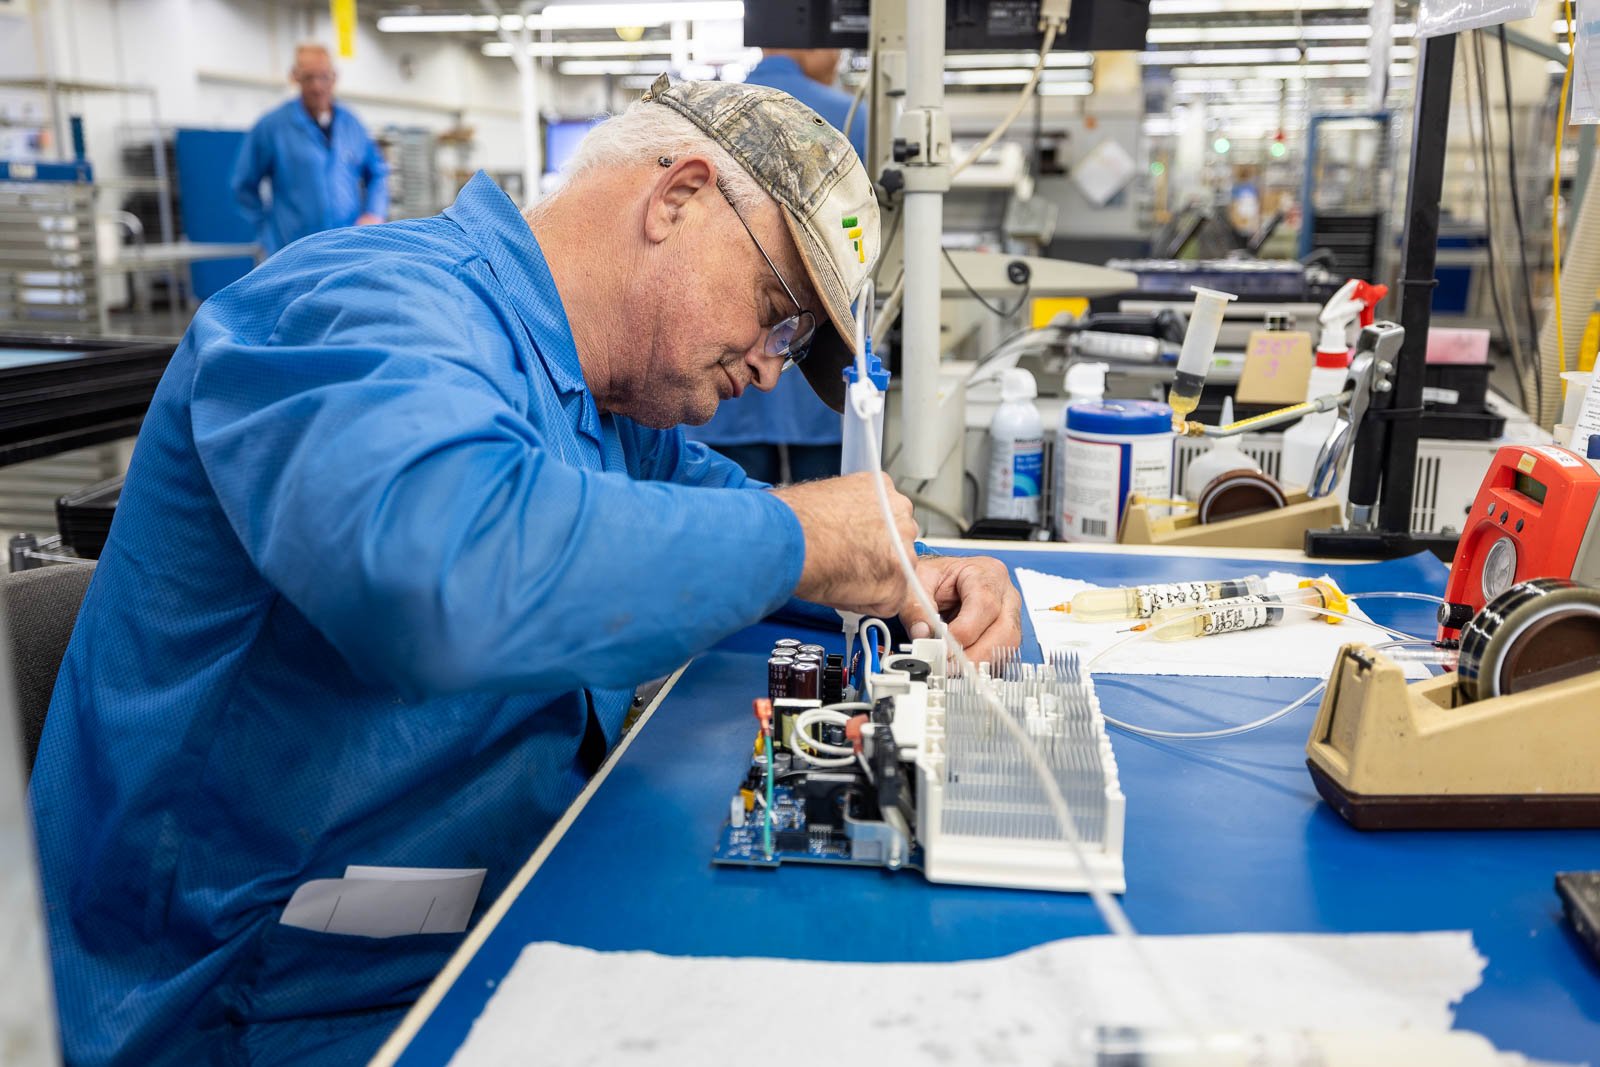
1222	836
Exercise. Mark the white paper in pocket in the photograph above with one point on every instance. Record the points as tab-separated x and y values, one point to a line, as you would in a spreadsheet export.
387	901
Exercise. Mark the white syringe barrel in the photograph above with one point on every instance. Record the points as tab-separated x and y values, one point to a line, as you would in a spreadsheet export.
1200	339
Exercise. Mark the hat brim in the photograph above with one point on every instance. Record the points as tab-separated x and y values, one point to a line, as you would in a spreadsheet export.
833	346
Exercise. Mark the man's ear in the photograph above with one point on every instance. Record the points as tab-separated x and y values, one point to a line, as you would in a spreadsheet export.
673	192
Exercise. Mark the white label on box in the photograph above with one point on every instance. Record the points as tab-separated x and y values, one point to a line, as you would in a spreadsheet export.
1433	394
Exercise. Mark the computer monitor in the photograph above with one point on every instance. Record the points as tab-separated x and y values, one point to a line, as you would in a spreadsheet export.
561	137
970	25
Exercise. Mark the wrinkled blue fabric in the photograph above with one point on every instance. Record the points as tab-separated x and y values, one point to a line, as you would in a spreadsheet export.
316	184
379	564
791	414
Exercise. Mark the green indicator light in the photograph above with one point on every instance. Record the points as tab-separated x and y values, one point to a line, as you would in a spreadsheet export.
1158	168
1222	144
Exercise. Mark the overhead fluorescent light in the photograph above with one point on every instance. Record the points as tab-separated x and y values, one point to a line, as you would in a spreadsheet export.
1067	89
571	17
439	23
989	60
1012	77
1243	34
565	49
607	66
1219	56
607	16
1213	7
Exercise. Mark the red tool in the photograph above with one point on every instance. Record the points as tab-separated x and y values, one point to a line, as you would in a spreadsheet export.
1537	515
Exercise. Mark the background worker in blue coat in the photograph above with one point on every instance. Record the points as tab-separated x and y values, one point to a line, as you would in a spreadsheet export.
408	519
322	169
788	434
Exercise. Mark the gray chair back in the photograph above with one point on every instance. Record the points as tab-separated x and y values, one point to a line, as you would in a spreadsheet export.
41	606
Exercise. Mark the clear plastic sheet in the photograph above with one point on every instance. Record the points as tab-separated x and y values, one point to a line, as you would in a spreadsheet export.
1438	17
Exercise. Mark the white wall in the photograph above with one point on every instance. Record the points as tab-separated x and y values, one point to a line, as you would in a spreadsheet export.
221	63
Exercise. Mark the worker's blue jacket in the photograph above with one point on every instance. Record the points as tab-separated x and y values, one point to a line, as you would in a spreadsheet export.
317	183
379	566
791	414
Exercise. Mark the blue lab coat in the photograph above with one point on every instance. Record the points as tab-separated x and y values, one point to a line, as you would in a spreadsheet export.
791	414
316	185
379	565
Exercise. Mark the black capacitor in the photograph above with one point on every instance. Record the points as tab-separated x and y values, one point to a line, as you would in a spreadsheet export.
786	642
815	650
805	681
778	670
809	657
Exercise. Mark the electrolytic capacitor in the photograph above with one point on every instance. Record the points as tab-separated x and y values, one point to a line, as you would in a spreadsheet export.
805	681
786	642
815	650
778	673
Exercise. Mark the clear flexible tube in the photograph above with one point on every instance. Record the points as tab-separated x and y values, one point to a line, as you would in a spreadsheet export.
1265	720
1110	911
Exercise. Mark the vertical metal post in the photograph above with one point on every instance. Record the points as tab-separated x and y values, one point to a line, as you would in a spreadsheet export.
1429	140
922	139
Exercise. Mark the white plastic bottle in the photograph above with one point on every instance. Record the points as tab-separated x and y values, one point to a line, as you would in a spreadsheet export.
1303	440
1016	451
1223	456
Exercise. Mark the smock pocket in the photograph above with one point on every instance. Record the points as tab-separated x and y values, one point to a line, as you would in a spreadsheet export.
304	973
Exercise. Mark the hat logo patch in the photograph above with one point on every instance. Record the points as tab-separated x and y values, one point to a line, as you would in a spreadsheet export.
853	231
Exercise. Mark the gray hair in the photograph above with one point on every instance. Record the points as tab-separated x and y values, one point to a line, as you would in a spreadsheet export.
646	133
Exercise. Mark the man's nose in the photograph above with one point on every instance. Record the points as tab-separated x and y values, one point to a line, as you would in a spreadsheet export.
764	368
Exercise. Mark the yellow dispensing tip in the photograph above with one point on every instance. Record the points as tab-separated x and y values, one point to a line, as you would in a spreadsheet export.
1332	597
1065	606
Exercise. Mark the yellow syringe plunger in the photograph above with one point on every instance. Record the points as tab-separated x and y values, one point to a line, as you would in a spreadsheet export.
1246	612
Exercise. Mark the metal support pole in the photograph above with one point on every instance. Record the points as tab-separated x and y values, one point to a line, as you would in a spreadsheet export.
922	143
1383	468
1429	137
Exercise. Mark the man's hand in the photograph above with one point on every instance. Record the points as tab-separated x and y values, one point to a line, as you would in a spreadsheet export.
975	597
850	561
367	218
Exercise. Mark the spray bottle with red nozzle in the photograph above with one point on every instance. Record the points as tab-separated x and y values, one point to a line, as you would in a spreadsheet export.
1353	304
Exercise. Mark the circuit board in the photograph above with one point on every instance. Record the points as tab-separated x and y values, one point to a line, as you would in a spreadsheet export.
742	845
914	766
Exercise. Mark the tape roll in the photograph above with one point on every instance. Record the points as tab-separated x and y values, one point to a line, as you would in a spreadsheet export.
1535	633
1237	493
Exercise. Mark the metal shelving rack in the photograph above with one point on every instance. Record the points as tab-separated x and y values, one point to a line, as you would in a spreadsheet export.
49	271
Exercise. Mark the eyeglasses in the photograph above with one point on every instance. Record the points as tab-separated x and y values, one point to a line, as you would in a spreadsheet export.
790	338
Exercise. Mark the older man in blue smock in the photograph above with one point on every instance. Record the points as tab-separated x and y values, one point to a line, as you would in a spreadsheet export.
409	517
321	168
789	434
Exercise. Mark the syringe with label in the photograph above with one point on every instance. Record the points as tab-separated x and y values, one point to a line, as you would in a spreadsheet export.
1143	601
1248	612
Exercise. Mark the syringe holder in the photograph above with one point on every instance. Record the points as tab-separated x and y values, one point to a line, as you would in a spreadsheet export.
1391	755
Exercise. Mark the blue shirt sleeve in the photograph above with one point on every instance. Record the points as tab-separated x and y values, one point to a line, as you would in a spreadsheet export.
375	172
668	456
254	163
373	460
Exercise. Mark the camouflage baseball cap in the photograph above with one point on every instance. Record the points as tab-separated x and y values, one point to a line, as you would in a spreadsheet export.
812	171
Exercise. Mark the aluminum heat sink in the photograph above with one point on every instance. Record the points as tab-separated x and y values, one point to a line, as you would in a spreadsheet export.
983	816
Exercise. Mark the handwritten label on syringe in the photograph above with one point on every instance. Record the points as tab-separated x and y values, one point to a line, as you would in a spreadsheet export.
1246	613
1152	598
